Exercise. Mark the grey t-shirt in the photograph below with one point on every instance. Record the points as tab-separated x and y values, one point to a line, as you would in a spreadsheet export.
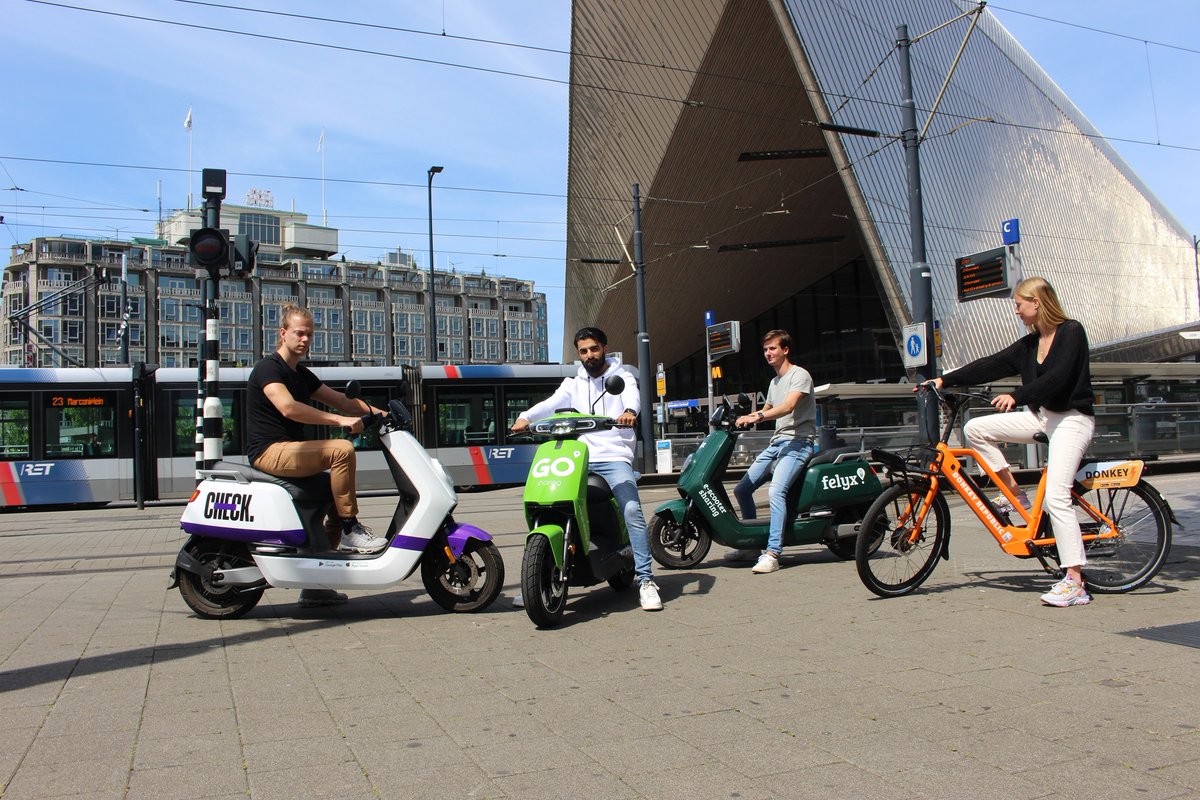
803	419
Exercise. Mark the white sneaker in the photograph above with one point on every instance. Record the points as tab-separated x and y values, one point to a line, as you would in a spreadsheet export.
767	562
518	600
648	594
359	539
741	555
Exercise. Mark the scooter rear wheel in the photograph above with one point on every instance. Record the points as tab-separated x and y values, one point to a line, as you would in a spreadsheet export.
676	546
217	602
469	584
543	585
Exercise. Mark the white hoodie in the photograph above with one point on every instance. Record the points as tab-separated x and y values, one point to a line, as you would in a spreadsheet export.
616	444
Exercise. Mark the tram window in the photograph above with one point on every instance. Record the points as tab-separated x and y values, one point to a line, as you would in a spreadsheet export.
365	440
466	416
520	399
183	425
80	425
14	429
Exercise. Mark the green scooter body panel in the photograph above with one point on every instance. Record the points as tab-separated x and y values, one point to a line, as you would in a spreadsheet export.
849	483
558	476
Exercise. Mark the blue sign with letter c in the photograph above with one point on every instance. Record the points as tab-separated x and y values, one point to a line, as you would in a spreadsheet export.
1011	231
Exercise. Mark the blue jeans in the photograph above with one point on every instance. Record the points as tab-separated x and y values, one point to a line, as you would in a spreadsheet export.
784	458
620	477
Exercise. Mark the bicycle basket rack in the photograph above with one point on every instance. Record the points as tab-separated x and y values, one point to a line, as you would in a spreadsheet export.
919	459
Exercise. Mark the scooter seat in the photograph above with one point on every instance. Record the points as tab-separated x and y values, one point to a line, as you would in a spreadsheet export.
830	455
310	490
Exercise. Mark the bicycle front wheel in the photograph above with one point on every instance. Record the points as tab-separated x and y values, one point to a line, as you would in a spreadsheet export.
1137	553
892	557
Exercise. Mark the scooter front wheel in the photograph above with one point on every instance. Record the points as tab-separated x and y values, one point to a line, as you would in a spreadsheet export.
468	584
217	602
677	546
542	583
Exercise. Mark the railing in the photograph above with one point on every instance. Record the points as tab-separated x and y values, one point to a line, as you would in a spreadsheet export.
1143	430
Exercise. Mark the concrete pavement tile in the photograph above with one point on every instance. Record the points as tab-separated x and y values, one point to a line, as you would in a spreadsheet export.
560	782
399	755
601	723
345	781
768	753
1123	744
459	781
515	756
401	726
890	752
682	784
478	700
472	731
188	749
60	723
389	703
977	699
719	726
187	782
1013	750
840	780
112	749
217	699
285	723
296	753
1185	774
937	723
652	754
969	777
820	725
192	723
72	777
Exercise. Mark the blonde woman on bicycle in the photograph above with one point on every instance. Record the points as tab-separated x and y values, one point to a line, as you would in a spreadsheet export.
1056	389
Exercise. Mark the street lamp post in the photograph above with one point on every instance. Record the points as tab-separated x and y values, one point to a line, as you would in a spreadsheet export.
432	291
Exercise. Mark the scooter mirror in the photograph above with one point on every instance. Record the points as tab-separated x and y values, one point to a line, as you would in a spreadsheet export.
614	384
354	390
743	402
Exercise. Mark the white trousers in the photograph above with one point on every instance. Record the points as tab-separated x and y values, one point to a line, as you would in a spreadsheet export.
1070	434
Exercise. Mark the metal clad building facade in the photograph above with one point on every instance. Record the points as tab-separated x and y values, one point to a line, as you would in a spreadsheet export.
688	89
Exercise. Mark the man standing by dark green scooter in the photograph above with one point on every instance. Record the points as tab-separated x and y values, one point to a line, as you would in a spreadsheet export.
790	404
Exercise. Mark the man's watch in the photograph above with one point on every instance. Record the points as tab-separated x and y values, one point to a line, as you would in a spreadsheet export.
761	416
630	411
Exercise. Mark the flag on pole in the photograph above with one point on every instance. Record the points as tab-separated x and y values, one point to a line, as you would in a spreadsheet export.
187	123
321	141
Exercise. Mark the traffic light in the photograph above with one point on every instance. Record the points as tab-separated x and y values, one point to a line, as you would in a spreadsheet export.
209	249
245	253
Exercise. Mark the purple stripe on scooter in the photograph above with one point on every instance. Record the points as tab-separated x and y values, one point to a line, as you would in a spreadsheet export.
409	543
461	533
293	538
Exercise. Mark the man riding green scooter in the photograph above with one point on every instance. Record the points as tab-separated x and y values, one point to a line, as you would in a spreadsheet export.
790	405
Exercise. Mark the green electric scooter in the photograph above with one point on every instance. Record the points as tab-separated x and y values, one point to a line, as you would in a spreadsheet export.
827	501
576	536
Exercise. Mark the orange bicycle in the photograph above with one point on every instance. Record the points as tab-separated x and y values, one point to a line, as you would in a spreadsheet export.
1126	523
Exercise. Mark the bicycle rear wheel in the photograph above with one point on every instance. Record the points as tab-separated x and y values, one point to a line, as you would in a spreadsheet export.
900	562
1130	560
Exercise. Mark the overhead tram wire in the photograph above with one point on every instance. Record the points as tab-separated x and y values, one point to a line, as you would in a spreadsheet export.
830	95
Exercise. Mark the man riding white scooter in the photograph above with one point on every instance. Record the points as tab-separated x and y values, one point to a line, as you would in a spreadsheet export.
277	410
611	451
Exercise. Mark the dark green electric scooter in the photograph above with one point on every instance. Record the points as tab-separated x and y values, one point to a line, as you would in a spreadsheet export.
826	503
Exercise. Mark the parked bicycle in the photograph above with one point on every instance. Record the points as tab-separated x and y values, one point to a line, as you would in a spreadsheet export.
1126	523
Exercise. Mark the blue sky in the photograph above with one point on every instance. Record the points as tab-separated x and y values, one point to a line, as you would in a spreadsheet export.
95	90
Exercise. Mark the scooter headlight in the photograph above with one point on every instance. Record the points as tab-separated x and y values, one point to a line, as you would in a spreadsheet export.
562	427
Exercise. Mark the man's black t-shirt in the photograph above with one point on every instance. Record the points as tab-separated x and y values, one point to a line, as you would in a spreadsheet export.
266	425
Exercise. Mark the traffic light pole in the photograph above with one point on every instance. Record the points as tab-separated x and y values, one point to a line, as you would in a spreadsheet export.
209	438
645	418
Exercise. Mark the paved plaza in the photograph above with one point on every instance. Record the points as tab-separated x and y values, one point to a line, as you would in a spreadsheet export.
798	684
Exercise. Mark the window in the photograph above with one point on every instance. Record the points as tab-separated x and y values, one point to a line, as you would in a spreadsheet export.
14	429
184	423
80	425
466	416
262	228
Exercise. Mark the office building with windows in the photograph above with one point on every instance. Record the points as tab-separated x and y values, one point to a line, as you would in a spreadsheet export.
62	299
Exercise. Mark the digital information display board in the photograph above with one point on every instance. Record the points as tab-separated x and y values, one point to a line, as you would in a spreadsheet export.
982	275
724	338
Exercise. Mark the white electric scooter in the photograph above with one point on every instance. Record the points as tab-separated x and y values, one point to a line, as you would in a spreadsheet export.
249	531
